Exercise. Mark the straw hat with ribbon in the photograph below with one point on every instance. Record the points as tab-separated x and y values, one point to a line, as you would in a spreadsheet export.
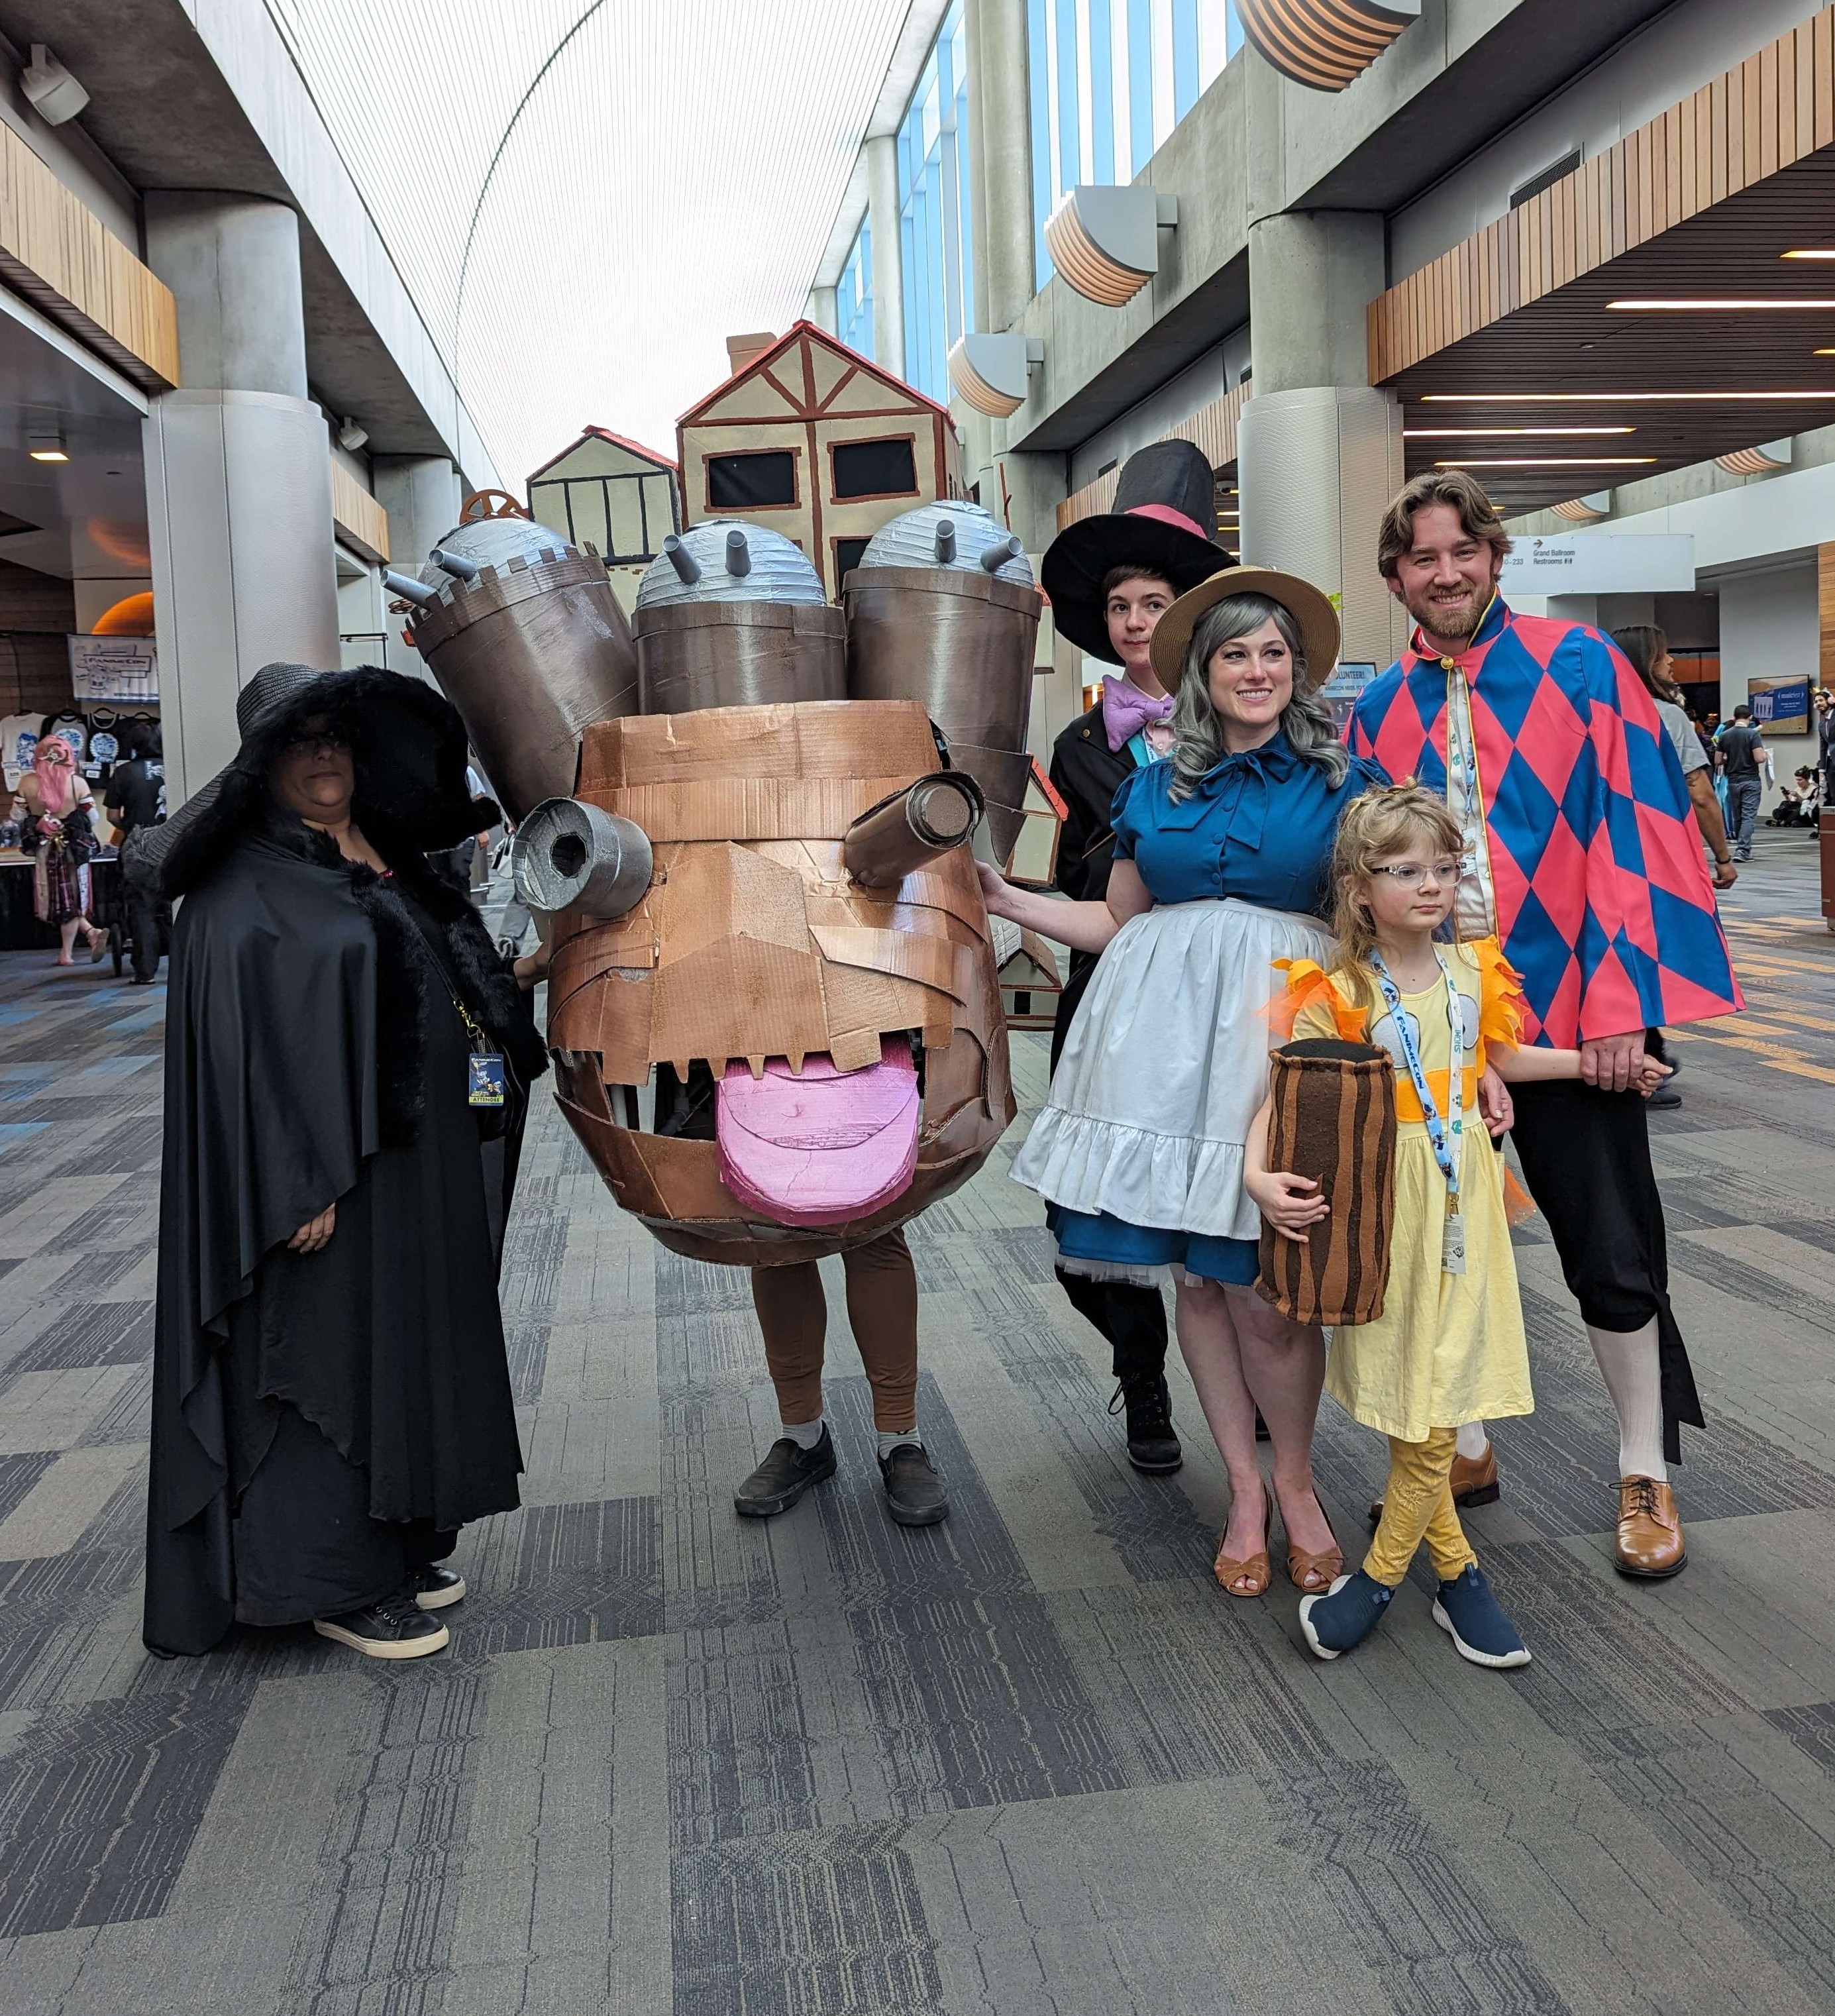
1309	608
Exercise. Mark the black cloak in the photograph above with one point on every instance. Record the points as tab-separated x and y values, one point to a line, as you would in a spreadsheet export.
315	1052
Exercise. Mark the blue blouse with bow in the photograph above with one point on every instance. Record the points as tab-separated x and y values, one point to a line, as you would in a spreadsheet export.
1259	826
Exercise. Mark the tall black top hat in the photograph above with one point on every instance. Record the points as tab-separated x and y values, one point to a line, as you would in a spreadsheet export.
1164	517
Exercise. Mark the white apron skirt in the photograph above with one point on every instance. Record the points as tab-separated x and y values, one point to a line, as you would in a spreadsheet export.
1164	1067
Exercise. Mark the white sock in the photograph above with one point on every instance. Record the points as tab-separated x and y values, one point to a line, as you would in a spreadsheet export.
805	1434
1472	1441
892	1438
1629	1365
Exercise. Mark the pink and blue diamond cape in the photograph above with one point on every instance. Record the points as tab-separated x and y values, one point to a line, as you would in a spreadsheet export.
1604	903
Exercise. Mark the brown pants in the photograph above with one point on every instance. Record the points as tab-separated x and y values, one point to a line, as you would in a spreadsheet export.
882	1313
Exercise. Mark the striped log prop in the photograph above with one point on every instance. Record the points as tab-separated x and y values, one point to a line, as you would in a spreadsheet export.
1333	1119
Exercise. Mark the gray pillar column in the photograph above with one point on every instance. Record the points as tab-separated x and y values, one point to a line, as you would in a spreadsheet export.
1002	139
238	473
1319	447
882	217
822	308
421	494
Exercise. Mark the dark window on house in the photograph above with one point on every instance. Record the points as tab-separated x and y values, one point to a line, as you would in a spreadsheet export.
874	468
1547	179
744	482
847	552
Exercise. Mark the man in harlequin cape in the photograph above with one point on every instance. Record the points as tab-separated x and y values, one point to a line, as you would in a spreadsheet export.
1579	854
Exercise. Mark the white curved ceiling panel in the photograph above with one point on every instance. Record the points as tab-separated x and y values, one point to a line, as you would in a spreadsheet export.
586	197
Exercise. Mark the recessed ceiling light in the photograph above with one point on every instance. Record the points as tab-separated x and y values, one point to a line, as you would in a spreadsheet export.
46	444
1548	461
1726	302
1602	398
1488	433
1807	254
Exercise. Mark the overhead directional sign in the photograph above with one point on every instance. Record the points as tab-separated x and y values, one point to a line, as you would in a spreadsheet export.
1600	564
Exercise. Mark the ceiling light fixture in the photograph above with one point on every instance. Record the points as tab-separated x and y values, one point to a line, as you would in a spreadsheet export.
1548	461
47	445
352	435
1490	433
1602	398
1728	302
1808	254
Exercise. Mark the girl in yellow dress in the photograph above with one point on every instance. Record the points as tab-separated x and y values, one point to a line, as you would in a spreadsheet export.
1449	1345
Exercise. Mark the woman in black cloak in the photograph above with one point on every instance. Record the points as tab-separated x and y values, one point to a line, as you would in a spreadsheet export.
331	1397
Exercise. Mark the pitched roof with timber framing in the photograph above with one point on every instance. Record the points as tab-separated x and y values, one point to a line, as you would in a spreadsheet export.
805	393
1700	201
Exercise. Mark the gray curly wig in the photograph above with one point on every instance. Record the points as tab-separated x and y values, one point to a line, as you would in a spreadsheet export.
1197	727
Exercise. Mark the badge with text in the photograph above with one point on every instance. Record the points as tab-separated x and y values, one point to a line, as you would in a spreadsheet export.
1452	1244
485	1084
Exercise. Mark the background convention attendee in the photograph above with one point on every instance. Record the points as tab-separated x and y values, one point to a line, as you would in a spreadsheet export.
136	797
1746	763
331	1398
56	816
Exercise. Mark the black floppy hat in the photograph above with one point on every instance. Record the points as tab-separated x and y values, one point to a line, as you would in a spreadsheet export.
1164	517
409	748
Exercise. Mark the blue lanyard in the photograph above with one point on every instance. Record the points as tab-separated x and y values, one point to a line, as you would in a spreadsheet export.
1443	1134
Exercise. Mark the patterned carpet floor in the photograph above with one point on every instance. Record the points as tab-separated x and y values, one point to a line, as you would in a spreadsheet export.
1031	1761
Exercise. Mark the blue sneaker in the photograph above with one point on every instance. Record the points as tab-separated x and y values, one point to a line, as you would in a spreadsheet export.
1344	1614
1481	1631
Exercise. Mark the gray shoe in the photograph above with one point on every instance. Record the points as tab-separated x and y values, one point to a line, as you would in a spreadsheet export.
914	1495
787	1471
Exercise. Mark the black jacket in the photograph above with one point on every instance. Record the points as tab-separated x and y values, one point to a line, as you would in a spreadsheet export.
1086	773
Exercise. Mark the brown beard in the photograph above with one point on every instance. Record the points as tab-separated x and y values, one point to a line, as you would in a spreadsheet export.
1441	623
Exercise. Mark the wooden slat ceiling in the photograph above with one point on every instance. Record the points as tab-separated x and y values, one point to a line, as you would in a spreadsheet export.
1700	203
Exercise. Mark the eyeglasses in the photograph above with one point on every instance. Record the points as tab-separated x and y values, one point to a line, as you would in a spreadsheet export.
1412	874
311	741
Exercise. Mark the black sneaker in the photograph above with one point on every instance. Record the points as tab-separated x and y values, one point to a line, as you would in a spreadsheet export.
396	1627
914	1495
1664	1099
435	1586
1152	1445
782	1478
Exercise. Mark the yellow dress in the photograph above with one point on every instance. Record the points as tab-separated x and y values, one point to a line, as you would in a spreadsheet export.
1448	1348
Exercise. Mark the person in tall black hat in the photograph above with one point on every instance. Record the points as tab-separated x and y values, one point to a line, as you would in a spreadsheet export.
1109	579
347	1065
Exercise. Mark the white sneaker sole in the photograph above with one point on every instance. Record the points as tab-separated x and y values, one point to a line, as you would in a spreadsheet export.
1498	1659
377	1648
1306	1604
438	1598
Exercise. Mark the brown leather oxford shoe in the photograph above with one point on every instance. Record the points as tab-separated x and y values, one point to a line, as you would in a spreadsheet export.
1650	1544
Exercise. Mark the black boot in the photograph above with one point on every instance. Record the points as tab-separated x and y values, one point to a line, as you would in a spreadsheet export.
786	1474
1152	1445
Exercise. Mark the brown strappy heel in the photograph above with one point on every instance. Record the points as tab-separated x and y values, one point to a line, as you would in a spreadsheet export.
1312	1575
1256	1569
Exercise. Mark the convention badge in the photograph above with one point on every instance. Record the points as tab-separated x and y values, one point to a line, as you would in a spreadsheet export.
485	1082
1452	1244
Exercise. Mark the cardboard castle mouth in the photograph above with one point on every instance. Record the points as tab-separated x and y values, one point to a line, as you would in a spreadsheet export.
753	943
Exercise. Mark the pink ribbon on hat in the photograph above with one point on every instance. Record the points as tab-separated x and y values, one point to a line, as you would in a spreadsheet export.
1167	515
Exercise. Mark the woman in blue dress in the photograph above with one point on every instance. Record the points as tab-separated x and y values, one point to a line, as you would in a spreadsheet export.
1221	854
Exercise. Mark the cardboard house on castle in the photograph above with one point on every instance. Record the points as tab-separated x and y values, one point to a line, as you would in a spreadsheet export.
815	441
617	496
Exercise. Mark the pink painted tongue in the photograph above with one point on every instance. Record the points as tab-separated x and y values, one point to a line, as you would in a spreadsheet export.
822	1148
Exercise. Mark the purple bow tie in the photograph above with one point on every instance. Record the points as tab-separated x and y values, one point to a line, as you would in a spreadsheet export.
1126	710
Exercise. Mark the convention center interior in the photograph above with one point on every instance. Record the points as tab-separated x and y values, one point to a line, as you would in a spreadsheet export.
917	1008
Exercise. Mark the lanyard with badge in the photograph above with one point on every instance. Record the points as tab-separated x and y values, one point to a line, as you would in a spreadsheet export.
1445	1135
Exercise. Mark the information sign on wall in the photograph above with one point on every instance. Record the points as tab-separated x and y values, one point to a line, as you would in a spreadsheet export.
1780	705
114	668
1600	563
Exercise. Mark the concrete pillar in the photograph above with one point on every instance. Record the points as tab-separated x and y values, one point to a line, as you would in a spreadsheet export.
821	309
882	217
1320	448
421	494
977	305
238	473
1001	138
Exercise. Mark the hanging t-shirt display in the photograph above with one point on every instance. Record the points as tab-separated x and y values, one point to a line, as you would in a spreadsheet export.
72	728
19	743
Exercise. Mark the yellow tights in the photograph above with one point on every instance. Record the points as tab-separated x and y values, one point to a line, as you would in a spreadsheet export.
1416	1507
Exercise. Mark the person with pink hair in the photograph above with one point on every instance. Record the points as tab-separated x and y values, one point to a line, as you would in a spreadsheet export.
56	814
